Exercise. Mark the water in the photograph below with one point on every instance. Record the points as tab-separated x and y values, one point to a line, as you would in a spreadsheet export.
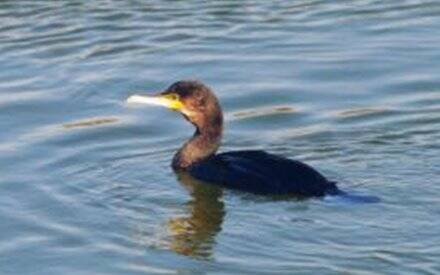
350	87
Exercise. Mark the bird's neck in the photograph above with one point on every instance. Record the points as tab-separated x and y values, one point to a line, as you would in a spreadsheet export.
204	143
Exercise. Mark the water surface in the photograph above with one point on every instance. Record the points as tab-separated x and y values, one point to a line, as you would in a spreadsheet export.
350	87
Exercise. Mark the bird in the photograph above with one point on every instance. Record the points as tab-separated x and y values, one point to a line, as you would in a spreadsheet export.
253	171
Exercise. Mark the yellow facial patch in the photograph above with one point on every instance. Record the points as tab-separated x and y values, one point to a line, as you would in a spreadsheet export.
173	102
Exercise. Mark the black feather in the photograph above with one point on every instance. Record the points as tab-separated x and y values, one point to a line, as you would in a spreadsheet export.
262	173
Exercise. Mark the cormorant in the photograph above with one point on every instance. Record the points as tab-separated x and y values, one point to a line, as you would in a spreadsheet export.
253	170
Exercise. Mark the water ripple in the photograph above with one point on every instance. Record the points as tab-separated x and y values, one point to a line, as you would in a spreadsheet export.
350	87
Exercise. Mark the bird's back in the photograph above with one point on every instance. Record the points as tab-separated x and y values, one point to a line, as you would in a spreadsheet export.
262	173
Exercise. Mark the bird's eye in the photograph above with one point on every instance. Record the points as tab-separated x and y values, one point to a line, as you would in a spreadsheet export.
173	97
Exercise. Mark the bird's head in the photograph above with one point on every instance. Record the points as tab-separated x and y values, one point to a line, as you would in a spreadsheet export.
193	99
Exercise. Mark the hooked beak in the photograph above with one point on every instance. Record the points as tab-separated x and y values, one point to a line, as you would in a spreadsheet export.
161	100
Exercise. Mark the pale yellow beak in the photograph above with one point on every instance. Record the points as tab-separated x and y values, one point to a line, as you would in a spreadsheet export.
168	101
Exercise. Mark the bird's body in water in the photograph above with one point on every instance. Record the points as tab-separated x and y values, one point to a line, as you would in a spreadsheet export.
253	171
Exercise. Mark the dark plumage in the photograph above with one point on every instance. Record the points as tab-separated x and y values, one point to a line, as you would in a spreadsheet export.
253	171
262	173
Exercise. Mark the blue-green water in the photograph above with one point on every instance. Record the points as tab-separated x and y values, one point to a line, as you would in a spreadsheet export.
350	87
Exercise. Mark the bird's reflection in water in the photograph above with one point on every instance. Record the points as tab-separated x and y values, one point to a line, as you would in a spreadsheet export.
194	234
